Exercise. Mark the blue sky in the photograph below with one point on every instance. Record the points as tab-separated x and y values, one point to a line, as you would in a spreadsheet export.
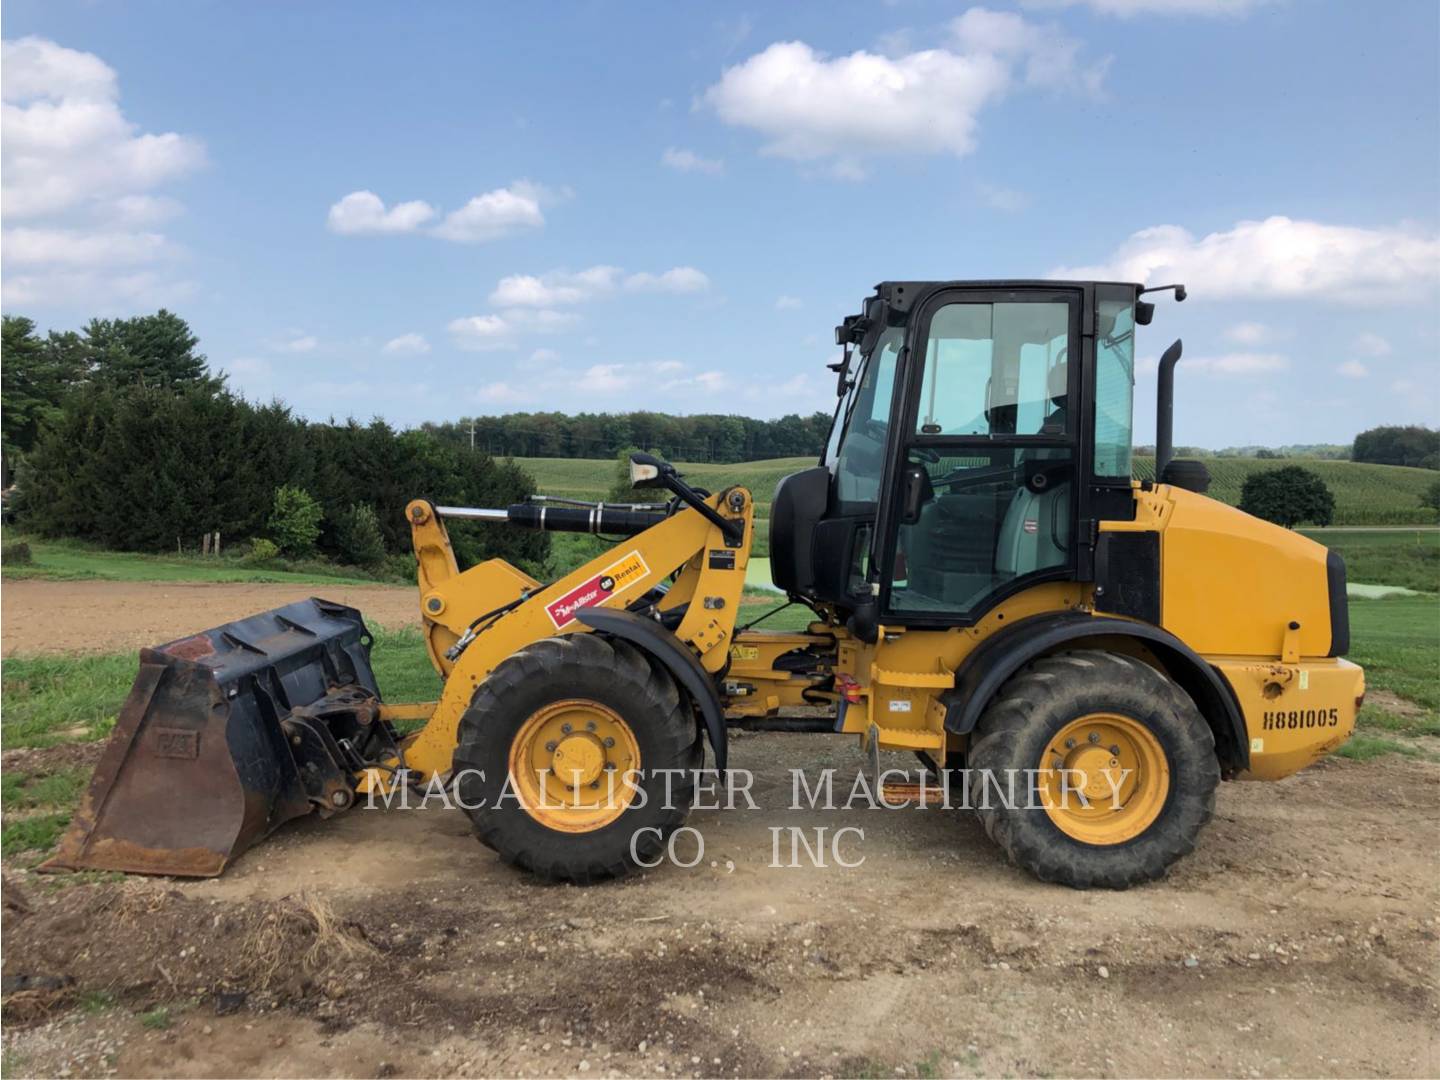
426	211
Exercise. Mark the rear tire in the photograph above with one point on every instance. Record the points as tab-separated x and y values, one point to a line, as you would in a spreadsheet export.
640	722
1109	702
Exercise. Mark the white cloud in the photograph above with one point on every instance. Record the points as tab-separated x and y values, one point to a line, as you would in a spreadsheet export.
606	379
561	288
66	140
363	213
81	248
838	111
785	302
138	211
1050	58
493	215
98	290
499	331
1224	364
297	342
407	344
76	166
555	288
1353	369
1002	198
544	356
499	393
484	218
682	160
1128	8
1278	258
481	333
1369	344
1249	333
682	279
250	367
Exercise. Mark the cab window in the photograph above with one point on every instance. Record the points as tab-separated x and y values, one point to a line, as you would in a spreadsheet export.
995	369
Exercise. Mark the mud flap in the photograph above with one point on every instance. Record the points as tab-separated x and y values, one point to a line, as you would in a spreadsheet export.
225	736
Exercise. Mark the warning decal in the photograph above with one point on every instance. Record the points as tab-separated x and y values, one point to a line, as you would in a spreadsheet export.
615	578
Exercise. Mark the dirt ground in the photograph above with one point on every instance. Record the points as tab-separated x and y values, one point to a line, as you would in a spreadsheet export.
108	616
1299	940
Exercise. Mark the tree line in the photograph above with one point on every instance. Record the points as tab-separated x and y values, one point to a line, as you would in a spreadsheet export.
122	435
706	437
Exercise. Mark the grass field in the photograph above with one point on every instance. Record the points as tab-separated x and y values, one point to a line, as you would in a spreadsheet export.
65	560
1364	494
1409	558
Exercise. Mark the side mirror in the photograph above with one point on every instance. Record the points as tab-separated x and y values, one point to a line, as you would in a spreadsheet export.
842	372
645	470
915	493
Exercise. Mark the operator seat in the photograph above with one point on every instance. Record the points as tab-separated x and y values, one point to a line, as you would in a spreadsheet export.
1036	531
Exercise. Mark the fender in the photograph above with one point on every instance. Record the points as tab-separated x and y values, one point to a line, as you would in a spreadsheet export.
652	638
985	670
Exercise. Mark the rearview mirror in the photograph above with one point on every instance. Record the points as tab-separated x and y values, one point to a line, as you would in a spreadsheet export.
645	471
916	492
842	372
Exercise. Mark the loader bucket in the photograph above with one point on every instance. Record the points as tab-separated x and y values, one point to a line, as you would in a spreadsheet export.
226	735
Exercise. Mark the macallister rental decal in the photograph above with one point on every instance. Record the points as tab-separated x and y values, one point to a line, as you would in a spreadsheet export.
616	577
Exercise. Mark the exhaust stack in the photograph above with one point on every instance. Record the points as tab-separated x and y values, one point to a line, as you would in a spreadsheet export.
1165	409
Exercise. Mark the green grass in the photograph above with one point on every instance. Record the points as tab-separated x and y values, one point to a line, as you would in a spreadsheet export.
1364	494
1408	558
66	560
36	833
20	790
402	666
96	1001
1362	747
157	1019
1397	642
55	699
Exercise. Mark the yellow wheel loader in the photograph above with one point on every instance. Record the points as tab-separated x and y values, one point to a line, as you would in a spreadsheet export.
991	589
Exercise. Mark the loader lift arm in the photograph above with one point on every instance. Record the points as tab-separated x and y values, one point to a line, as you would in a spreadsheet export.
704	545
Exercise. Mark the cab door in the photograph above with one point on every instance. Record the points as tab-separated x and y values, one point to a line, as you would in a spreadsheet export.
983	498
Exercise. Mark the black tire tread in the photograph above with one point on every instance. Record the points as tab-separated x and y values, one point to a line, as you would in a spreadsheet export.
555	661
1034	844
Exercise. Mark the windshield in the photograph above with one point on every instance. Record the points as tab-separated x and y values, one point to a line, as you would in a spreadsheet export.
856	453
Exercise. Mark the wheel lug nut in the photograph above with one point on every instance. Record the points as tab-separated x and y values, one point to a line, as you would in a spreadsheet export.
1069	744
594	783
590	725
1115	750
1094	736
566	728
609	741
550	746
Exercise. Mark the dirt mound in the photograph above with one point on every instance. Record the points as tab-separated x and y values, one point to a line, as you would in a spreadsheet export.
141	942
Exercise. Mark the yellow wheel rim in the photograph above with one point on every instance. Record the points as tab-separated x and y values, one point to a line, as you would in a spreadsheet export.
568	764
1103	779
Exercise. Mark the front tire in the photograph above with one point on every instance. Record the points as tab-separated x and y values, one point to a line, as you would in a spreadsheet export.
566	720
1116	770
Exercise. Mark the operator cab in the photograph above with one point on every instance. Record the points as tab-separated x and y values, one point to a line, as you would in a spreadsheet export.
983	428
